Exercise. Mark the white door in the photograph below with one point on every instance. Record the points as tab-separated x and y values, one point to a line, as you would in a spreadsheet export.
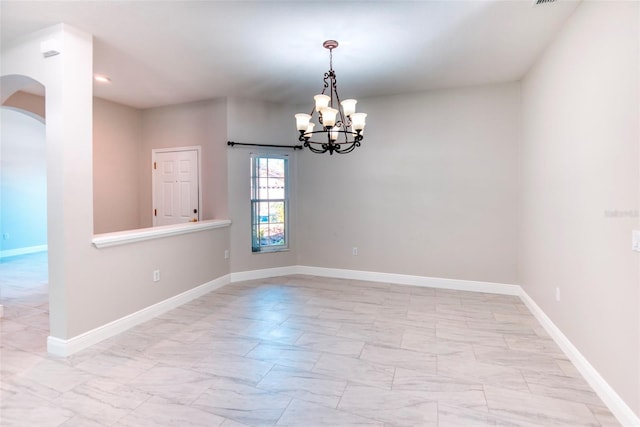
175	182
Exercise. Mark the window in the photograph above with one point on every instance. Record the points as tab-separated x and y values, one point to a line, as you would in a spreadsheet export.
269	203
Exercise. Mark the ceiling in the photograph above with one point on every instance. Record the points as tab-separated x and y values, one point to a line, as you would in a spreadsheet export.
167	52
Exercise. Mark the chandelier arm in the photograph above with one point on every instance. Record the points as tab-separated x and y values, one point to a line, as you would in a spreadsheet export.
313	149
334	84
332	81
331	147
344	121
354	146
335	90
346	150
344	131
356	138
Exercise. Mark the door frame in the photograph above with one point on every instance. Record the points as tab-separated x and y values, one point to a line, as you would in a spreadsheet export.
154	152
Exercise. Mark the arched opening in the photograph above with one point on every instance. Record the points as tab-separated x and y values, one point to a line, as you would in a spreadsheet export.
24	294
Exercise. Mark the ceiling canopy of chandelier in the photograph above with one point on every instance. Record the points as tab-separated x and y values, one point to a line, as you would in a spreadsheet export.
341	128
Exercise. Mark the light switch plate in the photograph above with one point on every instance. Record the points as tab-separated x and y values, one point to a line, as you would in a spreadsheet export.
635	240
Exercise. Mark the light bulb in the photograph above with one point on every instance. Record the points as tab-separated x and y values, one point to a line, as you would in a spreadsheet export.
322	101
309	130
333	134
329	117
302	121
358	121
349	106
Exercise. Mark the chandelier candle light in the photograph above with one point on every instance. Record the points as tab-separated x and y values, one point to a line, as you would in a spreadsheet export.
340	124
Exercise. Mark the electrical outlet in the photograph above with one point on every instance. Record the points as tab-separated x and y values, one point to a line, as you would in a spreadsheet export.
226	254
354	251
156	275
557	294
5	236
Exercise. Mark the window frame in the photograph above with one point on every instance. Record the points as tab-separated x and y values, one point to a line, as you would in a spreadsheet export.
256	247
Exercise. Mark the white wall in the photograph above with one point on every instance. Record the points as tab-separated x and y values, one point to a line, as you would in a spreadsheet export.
117	140
23	181
431	192
267	125
580	188
68	81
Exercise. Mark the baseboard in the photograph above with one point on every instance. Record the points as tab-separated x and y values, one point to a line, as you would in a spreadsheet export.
405	279
62	347
23	251
1	311
614	402
263	274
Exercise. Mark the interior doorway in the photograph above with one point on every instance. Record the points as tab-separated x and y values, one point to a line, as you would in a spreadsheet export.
24	272
176	185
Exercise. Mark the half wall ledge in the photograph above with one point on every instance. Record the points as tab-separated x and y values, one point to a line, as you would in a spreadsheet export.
131	236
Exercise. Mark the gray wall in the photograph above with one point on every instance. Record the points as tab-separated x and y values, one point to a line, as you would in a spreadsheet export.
426	203
197	123
264	123
123	138
579	167
431	192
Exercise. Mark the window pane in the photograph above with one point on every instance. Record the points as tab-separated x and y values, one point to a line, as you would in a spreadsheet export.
276	212
270	234
263	166
276	234
263	188
264	234
263	212
269	204
276	188
276	168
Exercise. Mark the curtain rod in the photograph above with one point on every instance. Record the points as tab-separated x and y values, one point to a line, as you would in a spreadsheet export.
295	147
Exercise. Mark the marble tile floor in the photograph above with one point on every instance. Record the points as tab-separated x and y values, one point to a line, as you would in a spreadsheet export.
294	351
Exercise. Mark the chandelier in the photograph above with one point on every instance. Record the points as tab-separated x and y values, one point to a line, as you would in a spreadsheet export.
340	126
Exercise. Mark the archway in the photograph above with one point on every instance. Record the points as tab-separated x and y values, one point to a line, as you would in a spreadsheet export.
24	292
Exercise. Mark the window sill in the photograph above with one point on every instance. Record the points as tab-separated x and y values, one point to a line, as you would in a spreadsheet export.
271	251
131	236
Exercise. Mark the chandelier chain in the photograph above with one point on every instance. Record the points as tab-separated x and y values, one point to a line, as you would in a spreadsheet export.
330	59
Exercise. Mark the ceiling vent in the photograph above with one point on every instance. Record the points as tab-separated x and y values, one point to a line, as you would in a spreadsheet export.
542	2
